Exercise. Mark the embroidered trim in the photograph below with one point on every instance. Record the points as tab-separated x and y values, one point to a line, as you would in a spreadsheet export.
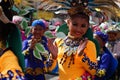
71	46
10	75
92	65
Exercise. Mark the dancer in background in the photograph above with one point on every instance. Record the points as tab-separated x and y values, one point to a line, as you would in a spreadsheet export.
107	64
11	58
35	51
113	45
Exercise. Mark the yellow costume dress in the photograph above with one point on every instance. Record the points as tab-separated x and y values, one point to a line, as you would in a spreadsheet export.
9	66
74	67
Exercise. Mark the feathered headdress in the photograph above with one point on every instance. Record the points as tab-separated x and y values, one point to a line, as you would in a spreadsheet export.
68	6
61	6
110	7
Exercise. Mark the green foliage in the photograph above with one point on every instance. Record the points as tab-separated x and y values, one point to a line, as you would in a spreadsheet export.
27	31
48	34
37	54
40	48
24	24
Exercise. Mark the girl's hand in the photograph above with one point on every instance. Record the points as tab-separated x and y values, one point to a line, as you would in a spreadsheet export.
52	48
33	42
82	46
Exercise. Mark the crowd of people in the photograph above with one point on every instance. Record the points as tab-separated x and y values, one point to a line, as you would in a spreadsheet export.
86	52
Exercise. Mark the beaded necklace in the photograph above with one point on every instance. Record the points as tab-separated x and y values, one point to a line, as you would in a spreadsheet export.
71	45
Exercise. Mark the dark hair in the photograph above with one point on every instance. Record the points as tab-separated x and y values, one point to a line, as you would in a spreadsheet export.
6	6
81	15
5	30
79	11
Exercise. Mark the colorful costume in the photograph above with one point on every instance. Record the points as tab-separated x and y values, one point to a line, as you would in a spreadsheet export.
34	66
9	66
114	46
107	64
73	67
35	57
11	58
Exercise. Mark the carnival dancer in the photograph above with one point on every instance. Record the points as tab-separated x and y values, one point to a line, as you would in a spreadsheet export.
11	67
107	64
113	45
76	55
35	51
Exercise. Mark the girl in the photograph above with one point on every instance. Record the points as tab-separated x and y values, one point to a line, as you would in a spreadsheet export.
35	63
76	55
11	59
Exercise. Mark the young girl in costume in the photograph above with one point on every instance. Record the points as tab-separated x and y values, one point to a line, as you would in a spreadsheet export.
11	58
107	64
76	55
36	52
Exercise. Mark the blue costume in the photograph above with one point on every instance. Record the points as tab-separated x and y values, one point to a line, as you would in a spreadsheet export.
107	64
35	65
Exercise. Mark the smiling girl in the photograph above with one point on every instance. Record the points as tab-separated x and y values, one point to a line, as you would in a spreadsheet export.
76	55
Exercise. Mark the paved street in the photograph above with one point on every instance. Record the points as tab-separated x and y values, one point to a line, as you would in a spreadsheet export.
51	77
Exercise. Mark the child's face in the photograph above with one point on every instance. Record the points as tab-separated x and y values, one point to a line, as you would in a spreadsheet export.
37	32
77	26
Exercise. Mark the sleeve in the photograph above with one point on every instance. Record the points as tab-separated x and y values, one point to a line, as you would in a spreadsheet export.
89	58
24	45
105	60
10	66
25	48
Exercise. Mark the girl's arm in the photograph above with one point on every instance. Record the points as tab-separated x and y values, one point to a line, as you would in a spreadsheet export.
89	58
52	48
26	48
